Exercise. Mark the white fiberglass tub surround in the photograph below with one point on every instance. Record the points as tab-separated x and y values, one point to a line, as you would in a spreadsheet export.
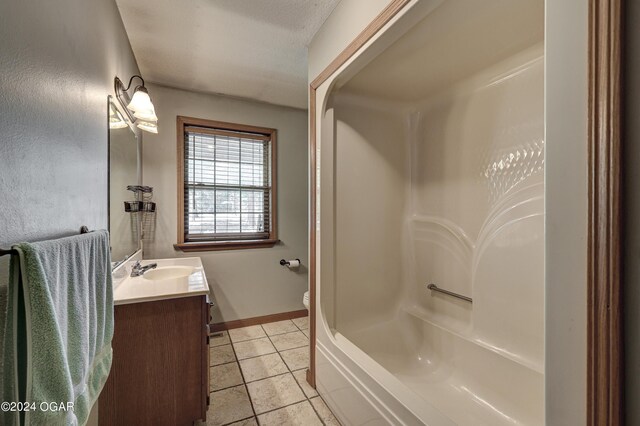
435	174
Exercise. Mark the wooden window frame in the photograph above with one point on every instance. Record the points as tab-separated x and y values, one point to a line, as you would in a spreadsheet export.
181	124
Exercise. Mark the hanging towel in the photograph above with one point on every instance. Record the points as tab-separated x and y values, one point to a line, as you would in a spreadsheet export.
59	328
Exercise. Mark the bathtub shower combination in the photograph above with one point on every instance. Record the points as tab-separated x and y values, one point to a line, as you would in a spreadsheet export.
431	171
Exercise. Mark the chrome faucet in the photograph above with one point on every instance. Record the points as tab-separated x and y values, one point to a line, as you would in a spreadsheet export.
138	270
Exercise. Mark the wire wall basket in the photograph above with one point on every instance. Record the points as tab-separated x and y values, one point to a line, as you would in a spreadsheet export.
143	209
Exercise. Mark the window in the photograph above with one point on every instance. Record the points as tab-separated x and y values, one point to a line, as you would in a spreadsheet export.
226	185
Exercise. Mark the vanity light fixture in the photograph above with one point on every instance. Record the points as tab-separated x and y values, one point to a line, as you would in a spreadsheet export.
148	126
116	120
138	107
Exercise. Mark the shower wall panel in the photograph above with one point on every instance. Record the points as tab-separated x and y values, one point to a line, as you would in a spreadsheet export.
370	198
477	215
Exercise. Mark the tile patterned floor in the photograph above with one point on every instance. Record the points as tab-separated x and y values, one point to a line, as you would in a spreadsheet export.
258	377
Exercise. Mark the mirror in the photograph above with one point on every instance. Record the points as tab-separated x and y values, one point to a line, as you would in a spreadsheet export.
123	171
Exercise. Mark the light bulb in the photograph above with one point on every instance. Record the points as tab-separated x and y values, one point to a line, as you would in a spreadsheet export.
117	124
145	116
141	102
148	126
116	121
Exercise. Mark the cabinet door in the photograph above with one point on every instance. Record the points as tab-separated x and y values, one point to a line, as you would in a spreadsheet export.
156	377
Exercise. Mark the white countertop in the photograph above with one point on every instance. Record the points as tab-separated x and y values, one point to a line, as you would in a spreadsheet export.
190	281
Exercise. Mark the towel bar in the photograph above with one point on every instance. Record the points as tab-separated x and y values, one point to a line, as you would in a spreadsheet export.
434	287
83	230
5	252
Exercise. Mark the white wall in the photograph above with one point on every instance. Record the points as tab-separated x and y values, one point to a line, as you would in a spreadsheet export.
245	283
566	212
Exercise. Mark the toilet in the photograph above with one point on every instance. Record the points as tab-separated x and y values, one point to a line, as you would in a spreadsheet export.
305	300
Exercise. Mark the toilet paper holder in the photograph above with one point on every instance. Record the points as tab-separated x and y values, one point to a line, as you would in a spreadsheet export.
287	263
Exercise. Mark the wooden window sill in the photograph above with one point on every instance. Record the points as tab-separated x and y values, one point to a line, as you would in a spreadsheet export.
225	245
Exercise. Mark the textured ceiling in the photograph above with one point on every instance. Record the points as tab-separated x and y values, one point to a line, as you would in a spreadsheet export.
254	49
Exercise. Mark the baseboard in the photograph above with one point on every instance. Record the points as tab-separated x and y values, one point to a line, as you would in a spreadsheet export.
228	325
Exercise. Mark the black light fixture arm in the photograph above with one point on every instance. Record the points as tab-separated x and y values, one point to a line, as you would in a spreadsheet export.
148	121
131	81
123	96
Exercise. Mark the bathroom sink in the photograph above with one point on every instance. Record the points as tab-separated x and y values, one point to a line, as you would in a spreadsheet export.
168	273
172	278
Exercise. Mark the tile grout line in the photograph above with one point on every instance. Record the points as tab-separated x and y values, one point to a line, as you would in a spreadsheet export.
276	409
268	377
280	334
294	323
289	371
224	363
289	349
251	357
286	406
307	399
244	383
258	338
241	420
243	379
316	391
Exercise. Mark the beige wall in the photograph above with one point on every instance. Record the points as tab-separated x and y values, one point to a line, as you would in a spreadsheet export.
343	25
245	283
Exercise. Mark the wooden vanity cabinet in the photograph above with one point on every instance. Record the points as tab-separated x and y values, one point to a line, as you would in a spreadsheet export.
160	370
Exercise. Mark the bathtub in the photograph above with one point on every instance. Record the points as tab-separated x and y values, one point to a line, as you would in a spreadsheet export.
418	362
431	170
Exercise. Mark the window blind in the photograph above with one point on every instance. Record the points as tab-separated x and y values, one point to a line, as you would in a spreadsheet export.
227	185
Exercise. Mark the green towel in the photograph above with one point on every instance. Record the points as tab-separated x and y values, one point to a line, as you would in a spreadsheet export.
59	328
